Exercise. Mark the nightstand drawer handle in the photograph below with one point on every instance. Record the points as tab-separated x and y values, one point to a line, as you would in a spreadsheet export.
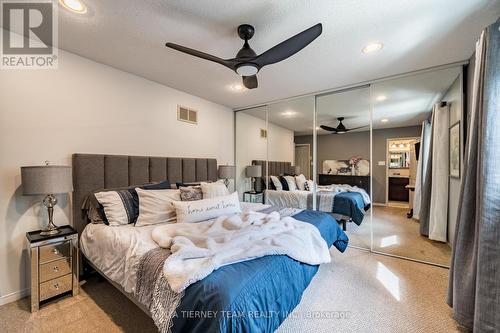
55	269
55	251
56	285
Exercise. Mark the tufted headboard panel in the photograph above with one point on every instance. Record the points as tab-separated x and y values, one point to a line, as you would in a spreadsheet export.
93	172
275	168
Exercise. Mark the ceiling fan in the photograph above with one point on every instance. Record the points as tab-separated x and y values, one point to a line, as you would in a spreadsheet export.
247	63
340	129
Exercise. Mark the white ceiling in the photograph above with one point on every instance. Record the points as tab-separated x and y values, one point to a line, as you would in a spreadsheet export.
130	35
408	102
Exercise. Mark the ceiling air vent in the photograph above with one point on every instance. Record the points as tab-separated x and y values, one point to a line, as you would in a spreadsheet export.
187	114
263	133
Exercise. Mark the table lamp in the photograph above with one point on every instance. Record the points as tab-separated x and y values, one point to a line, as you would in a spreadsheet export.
227	172
47	180
253	171
295	169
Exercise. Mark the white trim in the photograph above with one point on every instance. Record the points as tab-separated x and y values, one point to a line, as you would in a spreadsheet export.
15	296
379	204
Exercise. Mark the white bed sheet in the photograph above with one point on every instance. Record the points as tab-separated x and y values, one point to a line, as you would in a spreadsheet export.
116	250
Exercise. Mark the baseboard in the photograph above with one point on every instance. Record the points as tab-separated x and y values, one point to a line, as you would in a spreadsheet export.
378	204
12	297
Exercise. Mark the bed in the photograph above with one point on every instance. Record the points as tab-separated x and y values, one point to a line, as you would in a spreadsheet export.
254	295
345	203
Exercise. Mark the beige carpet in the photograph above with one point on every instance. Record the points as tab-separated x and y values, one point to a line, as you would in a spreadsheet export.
395	234
371	293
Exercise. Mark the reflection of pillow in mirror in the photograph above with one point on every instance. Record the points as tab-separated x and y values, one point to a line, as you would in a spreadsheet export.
309	185
290	180
276	183
300	180
284	183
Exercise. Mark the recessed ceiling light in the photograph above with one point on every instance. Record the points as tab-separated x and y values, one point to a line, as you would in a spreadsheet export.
288	113
381	98
237	87
372	47
384	120
75	6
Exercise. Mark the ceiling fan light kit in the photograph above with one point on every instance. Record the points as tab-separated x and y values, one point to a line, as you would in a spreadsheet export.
247	63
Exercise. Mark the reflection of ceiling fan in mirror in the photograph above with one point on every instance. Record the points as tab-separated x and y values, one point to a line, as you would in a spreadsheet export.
340	129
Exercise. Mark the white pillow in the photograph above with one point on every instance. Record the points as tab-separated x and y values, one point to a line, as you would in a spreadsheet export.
300	180
213	190
201	210
276	183
155	206
115	211
309	185
290	180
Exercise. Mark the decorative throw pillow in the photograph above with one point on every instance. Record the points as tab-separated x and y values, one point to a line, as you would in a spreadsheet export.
284	184
201	210
191	193
290	181
155	206
131	202
300	180
276	182
118	206
181	184
212	190
309	185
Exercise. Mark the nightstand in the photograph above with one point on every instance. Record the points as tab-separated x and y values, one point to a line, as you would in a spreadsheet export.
257	197
53	265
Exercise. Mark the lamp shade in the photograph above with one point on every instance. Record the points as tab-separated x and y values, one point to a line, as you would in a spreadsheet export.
295	169
227	171
47	179
254	171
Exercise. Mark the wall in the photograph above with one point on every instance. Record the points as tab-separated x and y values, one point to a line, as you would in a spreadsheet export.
87	107
250	146
454	98
343	147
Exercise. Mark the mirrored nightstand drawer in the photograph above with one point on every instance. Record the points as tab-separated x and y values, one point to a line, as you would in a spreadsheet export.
54	252
55	269
55	287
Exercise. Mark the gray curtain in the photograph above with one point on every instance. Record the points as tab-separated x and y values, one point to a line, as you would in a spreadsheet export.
474	289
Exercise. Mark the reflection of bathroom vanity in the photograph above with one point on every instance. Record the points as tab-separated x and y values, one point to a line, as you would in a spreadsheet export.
401	161
398	179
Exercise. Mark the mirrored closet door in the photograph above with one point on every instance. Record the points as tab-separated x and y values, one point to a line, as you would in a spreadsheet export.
343	148
251	145
416	150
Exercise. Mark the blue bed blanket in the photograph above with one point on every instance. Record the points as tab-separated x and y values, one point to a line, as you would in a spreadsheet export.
255	295
350	204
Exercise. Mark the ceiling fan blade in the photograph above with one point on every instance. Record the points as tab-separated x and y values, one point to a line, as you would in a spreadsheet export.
250	81
230	63
328	128
355	128
289	47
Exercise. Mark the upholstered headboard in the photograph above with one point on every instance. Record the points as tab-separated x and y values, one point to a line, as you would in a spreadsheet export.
92	172
275	168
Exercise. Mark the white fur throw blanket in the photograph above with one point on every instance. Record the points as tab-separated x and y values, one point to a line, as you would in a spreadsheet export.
200	248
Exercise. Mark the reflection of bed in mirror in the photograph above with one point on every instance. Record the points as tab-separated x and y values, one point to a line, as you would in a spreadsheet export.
347	203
